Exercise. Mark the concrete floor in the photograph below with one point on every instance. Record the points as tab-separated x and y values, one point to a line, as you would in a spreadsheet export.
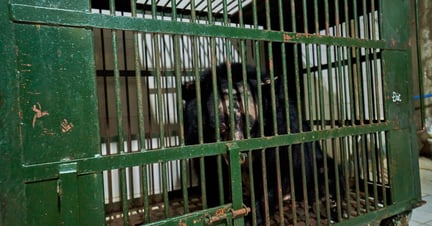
423	215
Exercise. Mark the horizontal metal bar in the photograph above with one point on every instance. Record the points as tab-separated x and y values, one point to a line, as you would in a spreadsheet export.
99	163
64	17
203	217
298	138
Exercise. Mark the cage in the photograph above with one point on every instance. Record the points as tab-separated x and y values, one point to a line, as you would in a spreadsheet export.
245	112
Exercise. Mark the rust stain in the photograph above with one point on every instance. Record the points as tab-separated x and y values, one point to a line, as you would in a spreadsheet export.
66	126
271	64
220	212
393	42
304	35
38	113
286	38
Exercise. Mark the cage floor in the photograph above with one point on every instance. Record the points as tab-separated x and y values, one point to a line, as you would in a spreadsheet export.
358	206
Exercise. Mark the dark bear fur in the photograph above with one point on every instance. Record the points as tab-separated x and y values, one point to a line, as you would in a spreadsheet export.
312	150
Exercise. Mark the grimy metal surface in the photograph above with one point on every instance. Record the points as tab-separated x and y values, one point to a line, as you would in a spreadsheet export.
244	112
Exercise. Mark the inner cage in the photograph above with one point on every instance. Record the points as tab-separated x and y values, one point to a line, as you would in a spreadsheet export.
330	67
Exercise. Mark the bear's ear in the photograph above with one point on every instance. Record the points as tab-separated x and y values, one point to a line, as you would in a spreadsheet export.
189	90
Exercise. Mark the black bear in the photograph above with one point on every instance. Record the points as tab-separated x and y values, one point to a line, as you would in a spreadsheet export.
310	152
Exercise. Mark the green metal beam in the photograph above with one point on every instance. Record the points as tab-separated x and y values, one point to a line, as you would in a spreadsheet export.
38	172
12	195
64	17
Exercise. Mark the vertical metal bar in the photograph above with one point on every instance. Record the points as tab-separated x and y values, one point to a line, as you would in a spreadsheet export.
285	90
236	177
145	192
357	173
364	169
298	102
370	151
240	13
374	169
229	75
311	125
367	34
274	116
345	164
196	52
342	117
129	170
68	194
234	153
351	99
215	100
107	118
331	116
331	78
265	187
252	187
380	95
347	19
244	73
337	25
373	14
310	103
117	90
304	181
310	116
163	165
126	82
320	84
319	108
141	125
258	70
337	178
260	108
359	149
339	74
358	78
378	109
326	182
419	66
335	169
177	64
160	105
368	89
383	166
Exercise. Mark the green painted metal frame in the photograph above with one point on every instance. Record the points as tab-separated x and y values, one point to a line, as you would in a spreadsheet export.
63	17
73	173
98	163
